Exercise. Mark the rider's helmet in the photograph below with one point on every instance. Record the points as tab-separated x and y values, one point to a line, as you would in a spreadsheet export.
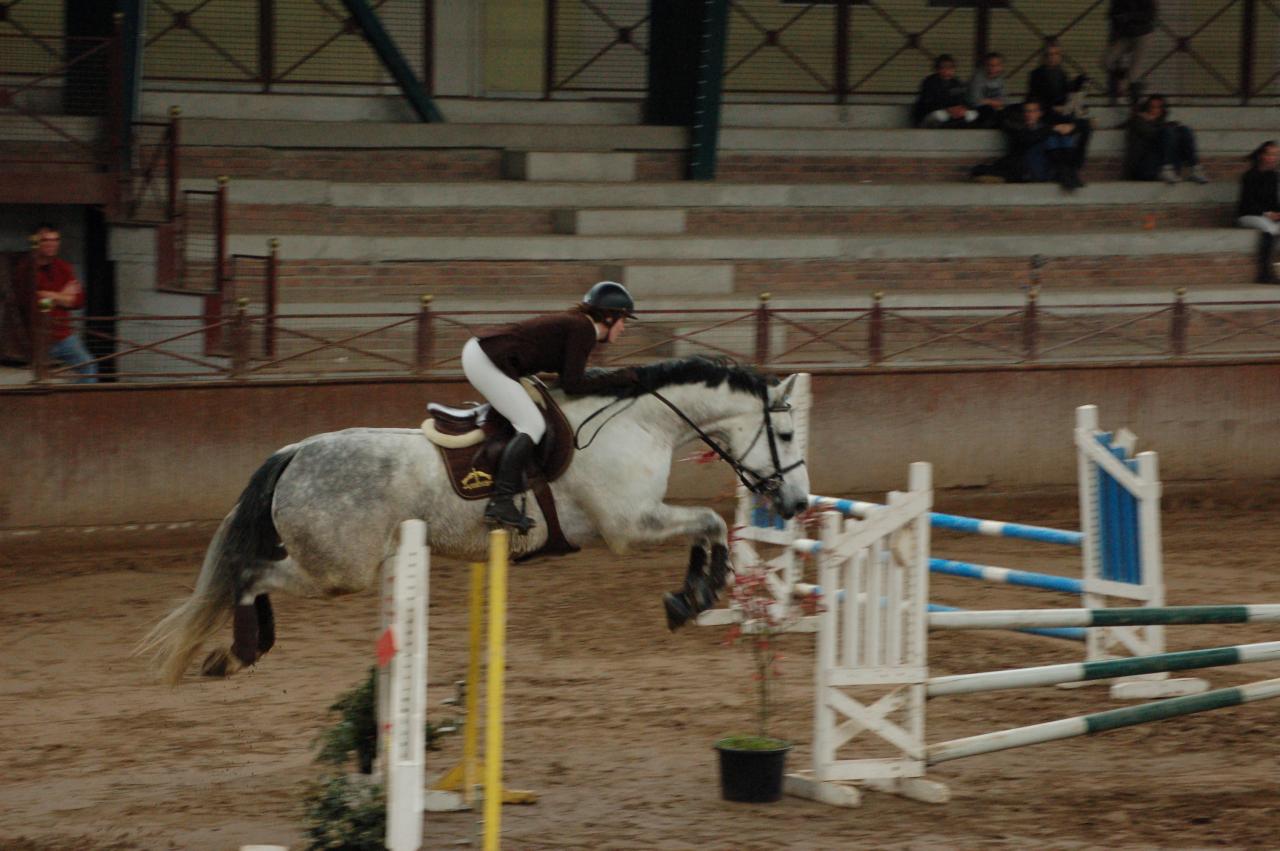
608	301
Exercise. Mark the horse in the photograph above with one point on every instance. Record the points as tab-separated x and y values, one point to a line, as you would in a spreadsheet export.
320	516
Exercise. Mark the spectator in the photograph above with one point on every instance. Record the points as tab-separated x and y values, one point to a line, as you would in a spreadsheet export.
55	280
1049	84
1062	98
1259	206
986	91
941	102
1131	23
1037	151
1156	148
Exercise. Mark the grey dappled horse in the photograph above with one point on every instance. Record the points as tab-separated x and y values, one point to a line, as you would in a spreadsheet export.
320	517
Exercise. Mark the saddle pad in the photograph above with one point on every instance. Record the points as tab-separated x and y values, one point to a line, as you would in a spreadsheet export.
449	438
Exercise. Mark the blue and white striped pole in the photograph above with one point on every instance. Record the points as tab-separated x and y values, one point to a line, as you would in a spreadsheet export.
956	523
1005	575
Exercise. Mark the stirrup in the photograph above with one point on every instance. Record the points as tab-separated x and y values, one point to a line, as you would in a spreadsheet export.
504	512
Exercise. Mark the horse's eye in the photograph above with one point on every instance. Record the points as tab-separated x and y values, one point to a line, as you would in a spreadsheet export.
786	438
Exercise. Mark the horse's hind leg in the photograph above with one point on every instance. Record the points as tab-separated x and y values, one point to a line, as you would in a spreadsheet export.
253	622
266	623
245	643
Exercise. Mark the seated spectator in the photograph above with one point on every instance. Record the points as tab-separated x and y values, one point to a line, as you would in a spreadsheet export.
986	91
1037	151
941	102
1259	206
1062	98
1156	148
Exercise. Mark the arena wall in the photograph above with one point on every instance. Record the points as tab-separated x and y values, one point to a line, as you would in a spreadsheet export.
115	454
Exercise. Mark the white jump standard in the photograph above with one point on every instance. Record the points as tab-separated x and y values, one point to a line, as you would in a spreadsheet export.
871	665
1119	542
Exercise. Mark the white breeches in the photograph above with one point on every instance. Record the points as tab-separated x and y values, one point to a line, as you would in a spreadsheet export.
506	395
1261	223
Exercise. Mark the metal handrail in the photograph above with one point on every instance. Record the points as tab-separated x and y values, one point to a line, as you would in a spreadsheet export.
814	338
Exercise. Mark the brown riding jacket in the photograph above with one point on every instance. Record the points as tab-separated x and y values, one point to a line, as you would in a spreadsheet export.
559	343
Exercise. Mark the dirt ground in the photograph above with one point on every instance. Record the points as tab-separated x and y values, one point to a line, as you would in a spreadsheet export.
610	717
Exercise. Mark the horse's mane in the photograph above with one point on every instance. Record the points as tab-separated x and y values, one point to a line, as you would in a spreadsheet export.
696	369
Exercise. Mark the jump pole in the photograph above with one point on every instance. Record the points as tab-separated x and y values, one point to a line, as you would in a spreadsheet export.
1050	675
1100	722
877	646
1119	541
402	686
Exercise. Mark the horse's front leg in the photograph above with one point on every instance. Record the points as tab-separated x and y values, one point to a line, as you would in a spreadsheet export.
708	567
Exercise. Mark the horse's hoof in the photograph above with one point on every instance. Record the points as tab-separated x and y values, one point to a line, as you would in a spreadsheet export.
678	610
219	663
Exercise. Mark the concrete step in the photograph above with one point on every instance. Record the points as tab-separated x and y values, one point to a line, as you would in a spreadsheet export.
1082	299
569	165
386	108
714	194
888	116
646	280
393	109
1107	140
365	135
287	219
423	165
871	247
800	279
619	222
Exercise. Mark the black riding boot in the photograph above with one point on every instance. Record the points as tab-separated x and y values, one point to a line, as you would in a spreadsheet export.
1267	259
508	483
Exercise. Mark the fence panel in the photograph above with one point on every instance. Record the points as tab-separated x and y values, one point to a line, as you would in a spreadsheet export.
253	342
597	45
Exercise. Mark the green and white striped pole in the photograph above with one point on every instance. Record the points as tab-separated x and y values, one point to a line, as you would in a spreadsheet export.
1136	616
1099	722
1074	672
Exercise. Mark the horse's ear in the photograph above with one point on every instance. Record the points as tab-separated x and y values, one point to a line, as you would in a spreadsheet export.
784	389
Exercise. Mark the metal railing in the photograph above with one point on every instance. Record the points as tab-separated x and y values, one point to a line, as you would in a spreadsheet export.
154	172
56	94
269	44
428	342
838	49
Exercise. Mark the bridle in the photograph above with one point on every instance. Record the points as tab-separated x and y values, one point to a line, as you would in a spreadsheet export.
752	480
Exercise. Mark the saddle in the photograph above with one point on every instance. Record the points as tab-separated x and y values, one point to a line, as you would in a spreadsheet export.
471	440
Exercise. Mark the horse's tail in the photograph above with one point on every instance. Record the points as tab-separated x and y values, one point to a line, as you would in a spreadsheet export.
246	535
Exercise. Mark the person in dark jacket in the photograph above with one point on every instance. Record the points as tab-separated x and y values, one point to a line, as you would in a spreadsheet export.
941	101
1037	151
1156	148
1063	98
1131	23
1259	206
494	362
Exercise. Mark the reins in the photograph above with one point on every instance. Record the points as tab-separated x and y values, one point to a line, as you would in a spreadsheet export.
757	483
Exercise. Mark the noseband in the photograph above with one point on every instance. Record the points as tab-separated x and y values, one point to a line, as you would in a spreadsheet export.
751	480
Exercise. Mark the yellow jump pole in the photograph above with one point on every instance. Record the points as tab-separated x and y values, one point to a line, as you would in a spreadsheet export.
471	731
497	664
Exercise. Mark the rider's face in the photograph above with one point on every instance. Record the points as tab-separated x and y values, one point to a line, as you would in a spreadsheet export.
615	330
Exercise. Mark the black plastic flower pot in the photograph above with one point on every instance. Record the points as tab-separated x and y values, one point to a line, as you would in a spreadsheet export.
753	774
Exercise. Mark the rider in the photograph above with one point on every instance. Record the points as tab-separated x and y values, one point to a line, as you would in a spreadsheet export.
495	360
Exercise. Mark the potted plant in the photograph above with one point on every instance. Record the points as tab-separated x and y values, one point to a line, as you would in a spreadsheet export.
752	765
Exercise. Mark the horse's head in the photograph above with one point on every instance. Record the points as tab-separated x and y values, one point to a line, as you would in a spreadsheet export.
772	453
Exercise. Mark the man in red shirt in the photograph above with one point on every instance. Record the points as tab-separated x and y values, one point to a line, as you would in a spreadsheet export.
56	281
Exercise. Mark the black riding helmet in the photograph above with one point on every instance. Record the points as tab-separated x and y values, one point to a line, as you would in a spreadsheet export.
609	298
